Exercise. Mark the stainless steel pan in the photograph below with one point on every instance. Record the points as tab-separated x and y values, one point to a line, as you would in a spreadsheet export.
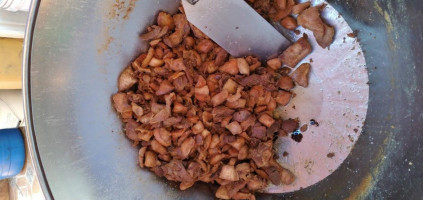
74	51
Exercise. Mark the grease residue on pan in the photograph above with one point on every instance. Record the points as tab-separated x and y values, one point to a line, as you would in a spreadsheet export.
121	8
118	11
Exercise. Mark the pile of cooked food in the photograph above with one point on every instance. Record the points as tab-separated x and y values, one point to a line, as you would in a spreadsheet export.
199	115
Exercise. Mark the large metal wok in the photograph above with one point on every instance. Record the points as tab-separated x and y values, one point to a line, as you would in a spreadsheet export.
74	51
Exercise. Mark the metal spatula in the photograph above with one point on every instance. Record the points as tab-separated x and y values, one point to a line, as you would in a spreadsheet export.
236	27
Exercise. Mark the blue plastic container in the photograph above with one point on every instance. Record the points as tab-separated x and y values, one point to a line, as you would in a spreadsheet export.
12	152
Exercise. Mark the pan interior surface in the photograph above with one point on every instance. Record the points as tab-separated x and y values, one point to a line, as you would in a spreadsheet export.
77	49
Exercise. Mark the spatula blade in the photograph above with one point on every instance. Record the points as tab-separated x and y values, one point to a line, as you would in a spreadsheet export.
236	27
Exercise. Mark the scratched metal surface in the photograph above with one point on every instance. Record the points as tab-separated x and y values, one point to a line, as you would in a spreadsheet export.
75	134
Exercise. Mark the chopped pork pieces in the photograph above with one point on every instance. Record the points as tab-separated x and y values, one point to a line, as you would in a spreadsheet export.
200	115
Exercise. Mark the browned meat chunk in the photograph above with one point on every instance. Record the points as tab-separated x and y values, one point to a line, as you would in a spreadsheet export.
243	66
297	9
289	23
186	147
162	136
141	156
182	29
251	80
290	125
221	56
230	67
286	83
205	46
219	113
274	63
165	88
256	183
274	174
280	4
259	132
234	187
310	19
296	52
301	74
179	108
155	33
230	86
176	64
228	173
219	98
241	116
130	127
283	98
287	177
175	171
121	104
165	19
234	128
181	83
157	147
250	121
192	59
202	90
222	193
150	159
266	120
137	110
262	154
282	13
127	79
